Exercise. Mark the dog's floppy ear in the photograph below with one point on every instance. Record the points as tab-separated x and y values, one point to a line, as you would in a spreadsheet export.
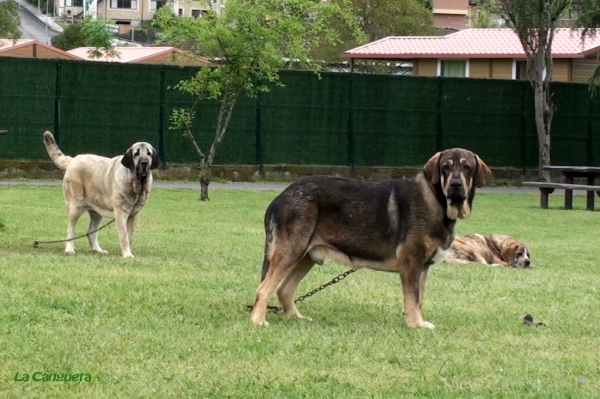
127	159
155	159
432	168
483	172
508	252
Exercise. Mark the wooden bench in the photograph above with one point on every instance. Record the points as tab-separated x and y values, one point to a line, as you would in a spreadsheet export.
547	188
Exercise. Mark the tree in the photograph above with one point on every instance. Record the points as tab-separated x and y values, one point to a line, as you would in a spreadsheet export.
534	22
483	16
428	4
249	43
70	38
97	36
91	32
379	18
589	19
9	20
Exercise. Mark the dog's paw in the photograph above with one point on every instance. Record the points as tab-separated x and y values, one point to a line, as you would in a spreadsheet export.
258	321
99	251
263	323
297	315
427	325
70	251
128	255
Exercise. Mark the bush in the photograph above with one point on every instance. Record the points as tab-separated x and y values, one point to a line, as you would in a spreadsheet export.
72	37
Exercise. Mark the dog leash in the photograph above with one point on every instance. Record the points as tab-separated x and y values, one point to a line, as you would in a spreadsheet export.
37	243
336	279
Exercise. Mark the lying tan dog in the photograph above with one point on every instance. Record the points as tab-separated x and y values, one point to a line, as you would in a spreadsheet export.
402	226
115	188
492	250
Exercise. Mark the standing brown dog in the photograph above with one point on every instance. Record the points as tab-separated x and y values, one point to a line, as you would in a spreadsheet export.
401	226
115	188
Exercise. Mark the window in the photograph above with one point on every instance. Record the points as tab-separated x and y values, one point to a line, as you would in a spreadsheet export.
453	68
74	3
124	4
180	13
520	70
156	5
199	13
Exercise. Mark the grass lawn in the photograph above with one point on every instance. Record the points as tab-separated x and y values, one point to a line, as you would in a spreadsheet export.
172	323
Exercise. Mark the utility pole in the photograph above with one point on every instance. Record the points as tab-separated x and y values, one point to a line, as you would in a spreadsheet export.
47	41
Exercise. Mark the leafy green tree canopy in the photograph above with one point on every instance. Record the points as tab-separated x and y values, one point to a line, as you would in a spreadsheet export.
378	18
9	20
381	18
534	22
71	37
90	32
249	43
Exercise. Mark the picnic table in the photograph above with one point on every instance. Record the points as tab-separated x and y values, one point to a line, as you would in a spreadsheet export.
591	173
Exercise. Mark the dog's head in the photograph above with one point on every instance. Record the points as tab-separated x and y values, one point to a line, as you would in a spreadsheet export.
140	158
457	172
516	253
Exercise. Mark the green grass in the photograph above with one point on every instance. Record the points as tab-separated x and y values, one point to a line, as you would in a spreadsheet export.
173	322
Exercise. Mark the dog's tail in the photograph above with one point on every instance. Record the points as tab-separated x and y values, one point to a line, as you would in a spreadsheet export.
269	226
268	244
61	160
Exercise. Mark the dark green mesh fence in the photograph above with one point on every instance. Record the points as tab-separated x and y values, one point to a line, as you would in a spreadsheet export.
306	122
394	119
106	108
27	94
334	119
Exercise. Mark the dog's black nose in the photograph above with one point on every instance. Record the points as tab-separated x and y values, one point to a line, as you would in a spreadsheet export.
527	262
456	183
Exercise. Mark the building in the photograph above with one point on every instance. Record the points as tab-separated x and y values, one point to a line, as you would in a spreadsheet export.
132	12
452	15
483	53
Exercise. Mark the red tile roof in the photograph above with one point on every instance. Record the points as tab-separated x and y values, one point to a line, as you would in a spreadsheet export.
473	43
131	54
7	46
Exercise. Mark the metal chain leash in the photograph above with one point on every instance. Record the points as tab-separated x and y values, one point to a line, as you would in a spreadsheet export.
336	279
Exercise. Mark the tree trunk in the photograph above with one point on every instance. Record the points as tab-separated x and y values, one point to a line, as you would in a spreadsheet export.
543	120
227	105
205	177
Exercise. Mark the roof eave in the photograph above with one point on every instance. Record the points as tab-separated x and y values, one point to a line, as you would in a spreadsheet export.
453	56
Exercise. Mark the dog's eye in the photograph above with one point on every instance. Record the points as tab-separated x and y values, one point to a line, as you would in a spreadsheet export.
466	166
519	254
447	167
137	153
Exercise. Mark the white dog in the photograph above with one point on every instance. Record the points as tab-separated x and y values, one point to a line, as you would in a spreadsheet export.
115	188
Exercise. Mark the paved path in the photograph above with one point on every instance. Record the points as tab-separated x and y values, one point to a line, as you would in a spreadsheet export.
246	186
35	24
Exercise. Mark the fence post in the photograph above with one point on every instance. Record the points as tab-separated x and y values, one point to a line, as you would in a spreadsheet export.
162	117
523	128
439	133
350	132
57	94
257	134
